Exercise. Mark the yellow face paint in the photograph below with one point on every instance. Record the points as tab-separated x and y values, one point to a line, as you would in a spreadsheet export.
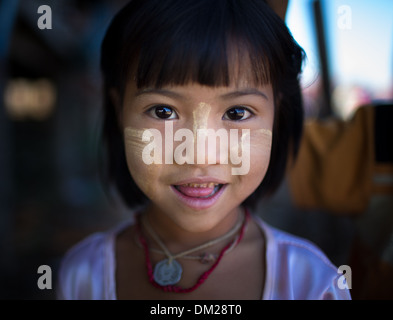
255	144
200	116
263	132
261	146
261	137
133	139
137	148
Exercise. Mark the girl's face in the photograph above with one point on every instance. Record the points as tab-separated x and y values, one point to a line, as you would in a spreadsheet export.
189	180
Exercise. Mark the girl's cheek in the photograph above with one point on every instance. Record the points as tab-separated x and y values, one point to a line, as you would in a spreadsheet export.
145	175
259	143
251	152
260	151
262	138
133	143
260	148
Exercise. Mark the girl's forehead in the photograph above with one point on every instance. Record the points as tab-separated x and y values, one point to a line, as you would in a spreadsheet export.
241	86
240	67
239	77
195	93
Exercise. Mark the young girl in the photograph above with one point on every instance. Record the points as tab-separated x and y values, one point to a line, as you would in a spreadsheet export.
177	73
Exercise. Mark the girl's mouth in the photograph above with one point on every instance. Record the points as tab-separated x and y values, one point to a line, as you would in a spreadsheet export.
204	190
199	195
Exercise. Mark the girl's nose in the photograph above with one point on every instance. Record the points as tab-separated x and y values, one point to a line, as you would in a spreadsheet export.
206	142
205	136
211	146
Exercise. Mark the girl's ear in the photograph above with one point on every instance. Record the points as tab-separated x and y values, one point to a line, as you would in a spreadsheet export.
279	7
116	101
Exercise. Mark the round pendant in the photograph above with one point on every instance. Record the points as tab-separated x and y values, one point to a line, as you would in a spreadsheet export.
166	273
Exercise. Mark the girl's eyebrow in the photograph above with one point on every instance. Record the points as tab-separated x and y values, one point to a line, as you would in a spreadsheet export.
244	92
225	96
163	92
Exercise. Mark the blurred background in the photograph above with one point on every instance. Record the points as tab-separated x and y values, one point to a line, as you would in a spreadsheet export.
50	117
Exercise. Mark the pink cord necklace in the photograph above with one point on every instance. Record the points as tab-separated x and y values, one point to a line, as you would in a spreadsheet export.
174	269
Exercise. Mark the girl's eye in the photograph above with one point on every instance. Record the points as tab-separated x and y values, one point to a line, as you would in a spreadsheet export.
162	112
237	114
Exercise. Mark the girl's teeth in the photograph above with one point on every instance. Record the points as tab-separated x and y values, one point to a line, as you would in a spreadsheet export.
195	190
203	185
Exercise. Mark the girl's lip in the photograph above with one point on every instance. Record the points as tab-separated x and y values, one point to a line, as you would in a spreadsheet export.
200	180
199	203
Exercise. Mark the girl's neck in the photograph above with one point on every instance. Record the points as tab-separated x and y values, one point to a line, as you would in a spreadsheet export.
177	239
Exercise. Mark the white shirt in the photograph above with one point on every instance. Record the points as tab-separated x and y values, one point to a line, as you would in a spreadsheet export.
296	269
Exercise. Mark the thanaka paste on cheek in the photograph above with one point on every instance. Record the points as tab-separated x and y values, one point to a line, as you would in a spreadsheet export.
262	136
261	146
144	174
133	140
252	147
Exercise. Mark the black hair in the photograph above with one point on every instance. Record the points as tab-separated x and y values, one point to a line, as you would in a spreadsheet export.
180	41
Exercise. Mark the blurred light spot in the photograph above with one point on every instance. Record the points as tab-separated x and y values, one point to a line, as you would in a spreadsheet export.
347	99
29	99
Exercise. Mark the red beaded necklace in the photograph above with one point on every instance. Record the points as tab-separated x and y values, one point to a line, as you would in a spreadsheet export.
202	278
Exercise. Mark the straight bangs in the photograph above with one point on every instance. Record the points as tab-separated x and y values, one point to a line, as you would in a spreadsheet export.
205	42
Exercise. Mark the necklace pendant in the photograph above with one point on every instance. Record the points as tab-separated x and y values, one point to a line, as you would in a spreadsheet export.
167	273
208	258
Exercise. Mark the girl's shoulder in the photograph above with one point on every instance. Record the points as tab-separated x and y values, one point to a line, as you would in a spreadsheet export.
298	269
284	244
86	269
